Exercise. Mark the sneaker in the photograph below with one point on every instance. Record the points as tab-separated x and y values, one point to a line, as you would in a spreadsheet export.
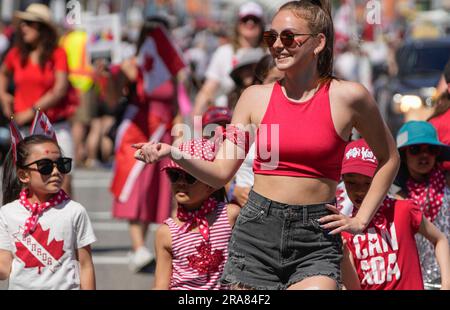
140	259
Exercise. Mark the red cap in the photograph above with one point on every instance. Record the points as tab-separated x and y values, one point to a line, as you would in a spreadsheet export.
216	115
359	158
198	149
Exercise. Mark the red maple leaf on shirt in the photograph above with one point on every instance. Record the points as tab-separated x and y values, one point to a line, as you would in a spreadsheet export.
148	63
207	261
55	248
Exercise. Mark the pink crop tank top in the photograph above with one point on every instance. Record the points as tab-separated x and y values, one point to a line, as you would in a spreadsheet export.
308	144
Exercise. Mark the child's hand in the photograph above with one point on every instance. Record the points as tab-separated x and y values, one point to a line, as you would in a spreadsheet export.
339	222
151	152
241	195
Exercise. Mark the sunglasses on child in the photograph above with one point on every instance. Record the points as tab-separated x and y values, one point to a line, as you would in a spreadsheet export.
45	166
175	175
421	148
254	19
287	37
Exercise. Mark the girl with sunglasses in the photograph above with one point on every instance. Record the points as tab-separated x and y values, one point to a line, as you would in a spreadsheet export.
45	236
422	179
303	123
191	249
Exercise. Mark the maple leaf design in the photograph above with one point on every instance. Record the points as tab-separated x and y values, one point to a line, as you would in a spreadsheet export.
30	258
206	262
148	63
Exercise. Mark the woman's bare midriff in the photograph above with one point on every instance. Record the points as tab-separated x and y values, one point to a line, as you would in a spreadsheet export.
294	190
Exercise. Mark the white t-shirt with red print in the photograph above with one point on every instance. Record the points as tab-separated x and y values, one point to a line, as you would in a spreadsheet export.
387	259
45	259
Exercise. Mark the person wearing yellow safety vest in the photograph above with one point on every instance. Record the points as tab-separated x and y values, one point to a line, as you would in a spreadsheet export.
81	78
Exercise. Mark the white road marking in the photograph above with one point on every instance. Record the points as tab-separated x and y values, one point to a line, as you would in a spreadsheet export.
100	216
110	226
92	183
110	260
114	226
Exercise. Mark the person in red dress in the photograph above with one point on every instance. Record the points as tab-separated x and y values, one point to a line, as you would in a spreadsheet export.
38	68
142	194
385	256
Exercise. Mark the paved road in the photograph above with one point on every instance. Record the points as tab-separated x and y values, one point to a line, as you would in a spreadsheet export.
110	251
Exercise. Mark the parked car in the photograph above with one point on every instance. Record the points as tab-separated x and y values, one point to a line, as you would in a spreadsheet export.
420	66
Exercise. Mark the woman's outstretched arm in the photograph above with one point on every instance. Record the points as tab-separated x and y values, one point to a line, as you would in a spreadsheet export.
228	158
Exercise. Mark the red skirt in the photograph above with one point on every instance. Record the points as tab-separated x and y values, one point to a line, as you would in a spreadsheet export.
141	192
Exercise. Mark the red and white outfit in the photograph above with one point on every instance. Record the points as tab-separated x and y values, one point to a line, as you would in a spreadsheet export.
189	247
142	192
433	198
198	258
385	254
45	259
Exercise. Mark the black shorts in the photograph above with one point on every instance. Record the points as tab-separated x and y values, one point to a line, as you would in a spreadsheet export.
275	245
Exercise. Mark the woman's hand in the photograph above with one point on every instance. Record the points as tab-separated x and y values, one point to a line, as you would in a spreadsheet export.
151	152
24	118
7	101
338	222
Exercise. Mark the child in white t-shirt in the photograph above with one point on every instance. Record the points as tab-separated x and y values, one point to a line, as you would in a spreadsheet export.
45	237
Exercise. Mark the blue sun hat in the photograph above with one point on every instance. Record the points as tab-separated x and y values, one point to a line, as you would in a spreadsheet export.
421	132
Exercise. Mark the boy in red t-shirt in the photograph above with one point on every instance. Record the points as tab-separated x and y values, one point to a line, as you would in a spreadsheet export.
384	256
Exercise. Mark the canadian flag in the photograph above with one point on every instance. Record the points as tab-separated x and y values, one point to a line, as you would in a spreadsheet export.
159	60
42	126
16	137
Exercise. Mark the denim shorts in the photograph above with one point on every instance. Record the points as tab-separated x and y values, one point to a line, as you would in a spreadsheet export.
275	245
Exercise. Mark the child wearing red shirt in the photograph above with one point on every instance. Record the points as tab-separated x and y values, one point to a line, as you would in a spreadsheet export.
384	256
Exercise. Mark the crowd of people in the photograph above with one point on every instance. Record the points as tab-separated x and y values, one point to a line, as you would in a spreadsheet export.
278	192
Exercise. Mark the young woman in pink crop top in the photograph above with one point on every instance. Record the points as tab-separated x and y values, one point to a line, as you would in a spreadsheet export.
279	240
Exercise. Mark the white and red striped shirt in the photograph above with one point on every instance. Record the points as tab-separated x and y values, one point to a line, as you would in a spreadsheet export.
185	244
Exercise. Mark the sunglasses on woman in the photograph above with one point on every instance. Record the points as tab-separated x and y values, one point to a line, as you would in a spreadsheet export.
287	37
45	166
174	175
30	23
421	148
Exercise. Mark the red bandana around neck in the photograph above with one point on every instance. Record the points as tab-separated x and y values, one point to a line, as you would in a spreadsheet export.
428	195
37	209
197	217
379	220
